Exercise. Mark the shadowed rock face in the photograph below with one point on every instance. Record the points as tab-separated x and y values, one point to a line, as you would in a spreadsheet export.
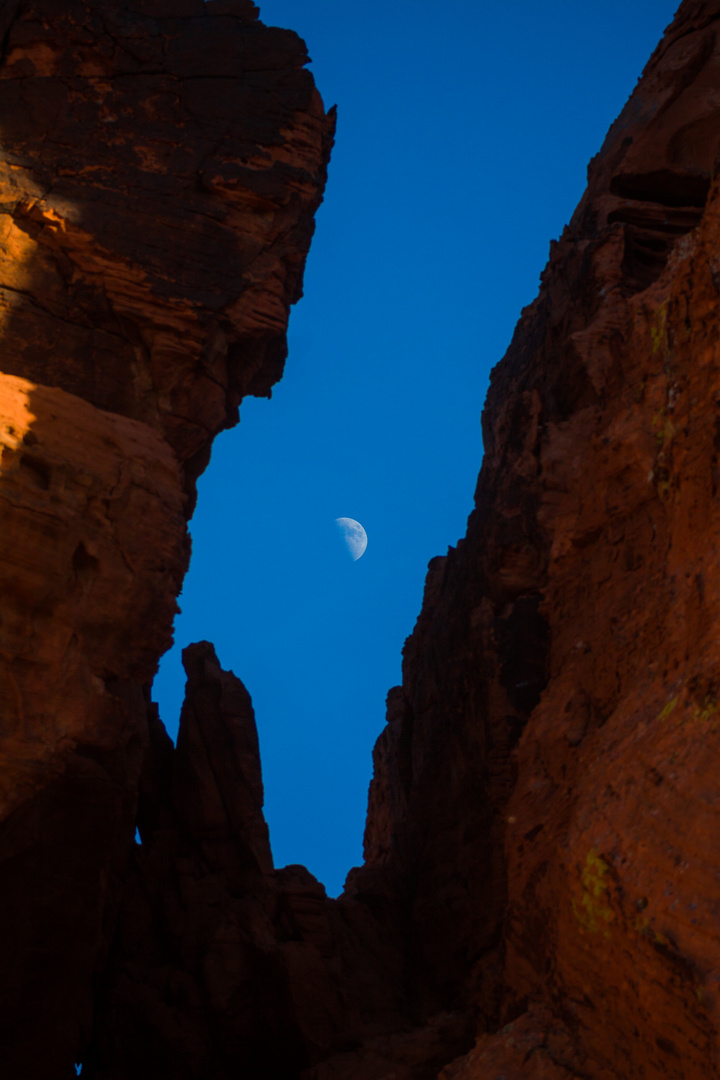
545	796
220	963
541	854
160	165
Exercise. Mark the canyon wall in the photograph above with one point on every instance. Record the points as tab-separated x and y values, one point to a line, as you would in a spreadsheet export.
161	162
545	795
541	880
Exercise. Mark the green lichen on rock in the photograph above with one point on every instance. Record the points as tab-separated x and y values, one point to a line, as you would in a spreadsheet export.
669	708
592	910
658	329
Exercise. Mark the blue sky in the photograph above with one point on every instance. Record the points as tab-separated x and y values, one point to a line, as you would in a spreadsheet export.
464	132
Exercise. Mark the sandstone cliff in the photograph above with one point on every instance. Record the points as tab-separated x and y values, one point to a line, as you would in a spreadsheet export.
541	880
160	165
545	796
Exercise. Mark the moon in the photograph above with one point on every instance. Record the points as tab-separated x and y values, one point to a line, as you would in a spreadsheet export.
354	536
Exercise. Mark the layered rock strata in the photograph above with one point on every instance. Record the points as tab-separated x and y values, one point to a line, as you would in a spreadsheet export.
160	165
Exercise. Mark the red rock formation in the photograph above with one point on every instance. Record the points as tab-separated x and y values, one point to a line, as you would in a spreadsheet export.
541	873
160	165
220	963
544	795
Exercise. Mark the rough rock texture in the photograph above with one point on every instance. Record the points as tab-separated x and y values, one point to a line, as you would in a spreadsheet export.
160	165
162	161
539	899
219	963
545	796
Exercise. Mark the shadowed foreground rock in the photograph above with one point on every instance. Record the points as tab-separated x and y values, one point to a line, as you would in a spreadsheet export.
539	899
219	962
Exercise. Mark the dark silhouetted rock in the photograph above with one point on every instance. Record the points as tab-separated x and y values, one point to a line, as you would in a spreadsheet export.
220	963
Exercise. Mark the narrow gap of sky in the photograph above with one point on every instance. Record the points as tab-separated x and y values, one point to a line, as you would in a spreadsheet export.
463	137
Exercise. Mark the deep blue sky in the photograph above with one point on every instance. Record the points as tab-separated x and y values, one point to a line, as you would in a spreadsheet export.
464	131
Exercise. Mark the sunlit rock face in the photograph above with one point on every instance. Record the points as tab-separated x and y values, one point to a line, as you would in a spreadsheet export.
160	165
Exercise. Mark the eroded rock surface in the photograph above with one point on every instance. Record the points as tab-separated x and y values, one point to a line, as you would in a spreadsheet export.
160	165
548	775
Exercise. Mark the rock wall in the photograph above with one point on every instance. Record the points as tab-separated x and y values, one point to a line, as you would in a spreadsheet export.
545	796
540	888
160	165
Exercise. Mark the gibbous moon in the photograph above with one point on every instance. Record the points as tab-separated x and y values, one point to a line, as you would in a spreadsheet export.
354	536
